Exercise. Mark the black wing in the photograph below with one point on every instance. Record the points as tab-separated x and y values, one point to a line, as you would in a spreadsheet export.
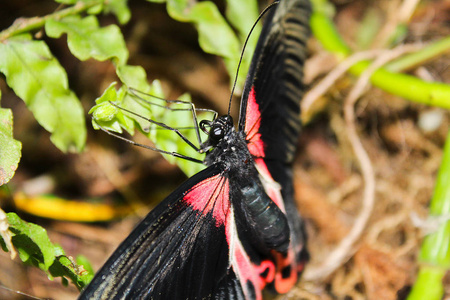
274	87
270	119
179	251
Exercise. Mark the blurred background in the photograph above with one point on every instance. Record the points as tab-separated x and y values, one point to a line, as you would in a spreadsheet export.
404	141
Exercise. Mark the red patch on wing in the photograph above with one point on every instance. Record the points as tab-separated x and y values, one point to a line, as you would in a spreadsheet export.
252	124
245	270
211	194
272	190
266	270
284	282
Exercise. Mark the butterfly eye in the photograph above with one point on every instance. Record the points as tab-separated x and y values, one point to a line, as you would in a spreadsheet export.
217	131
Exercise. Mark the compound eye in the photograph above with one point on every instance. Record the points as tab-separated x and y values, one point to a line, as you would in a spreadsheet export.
217	132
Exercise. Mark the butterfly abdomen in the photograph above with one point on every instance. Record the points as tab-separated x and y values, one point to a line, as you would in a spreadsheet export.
268	223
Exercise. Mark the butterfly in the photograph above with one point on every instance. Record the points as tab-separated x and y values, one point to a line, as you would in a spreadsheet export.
232	229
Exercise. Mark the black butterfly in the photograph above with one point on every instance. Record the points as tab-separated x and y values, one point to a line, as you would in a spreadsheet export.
232	229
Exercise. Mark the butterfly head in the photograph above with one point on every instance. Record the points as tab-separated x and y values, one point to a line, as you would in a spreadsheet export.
217	130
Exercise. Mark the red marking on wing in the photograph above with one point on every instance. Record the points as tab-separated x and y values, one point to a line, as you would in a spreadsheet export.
252	124
271	190
268	269
246	271
211	194
240	262
284	285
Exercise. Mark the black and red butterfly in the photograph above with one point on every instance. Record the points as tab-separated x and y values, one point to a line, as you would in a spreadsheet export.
232	229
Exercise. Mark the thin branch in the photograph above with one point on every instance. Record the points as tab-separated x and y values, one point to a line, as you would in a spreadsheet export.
22	25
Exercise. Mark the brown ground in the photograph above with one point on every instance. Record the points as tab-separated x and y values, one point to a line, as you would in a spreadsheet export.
329	187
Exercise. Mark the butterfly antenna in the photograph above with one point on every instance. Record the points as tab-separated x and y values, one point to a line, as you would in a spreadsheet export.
175	154
243	50
138	94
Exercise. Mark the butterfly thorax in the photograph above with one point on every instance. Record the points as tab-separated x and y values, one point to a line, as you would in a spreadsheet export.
265	226
226	145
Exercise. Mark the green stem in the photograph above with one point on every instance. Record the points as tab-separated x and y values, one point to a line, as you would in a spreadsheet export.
409	87
434	255
325	31
436	247
428	284
25	25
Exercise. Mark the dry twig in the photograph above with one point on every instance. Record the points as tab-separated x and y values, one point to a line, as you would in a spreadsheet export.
345	249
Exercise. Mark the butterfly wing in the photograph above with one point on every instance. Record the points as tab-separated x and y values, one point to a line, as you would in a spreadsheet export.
269	116
270	104
179	251
189	246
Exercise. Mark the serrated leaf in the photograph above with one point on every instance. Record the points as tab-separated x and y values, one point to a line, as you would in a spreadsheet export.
87	40
10	149
38	78
149	107
109	117
64	266
120	9
35	248
242	14
32	242
135	77
169	141
215	35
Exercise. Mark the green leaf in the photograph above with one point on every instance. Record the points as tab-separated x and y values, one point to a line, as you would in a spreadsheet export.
169	141
145	104
32	242
135	77
83	261
67	2
87	40
104	114
242	14
120	9
109	117
38	78
9	147
35	248
64	266
215	35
